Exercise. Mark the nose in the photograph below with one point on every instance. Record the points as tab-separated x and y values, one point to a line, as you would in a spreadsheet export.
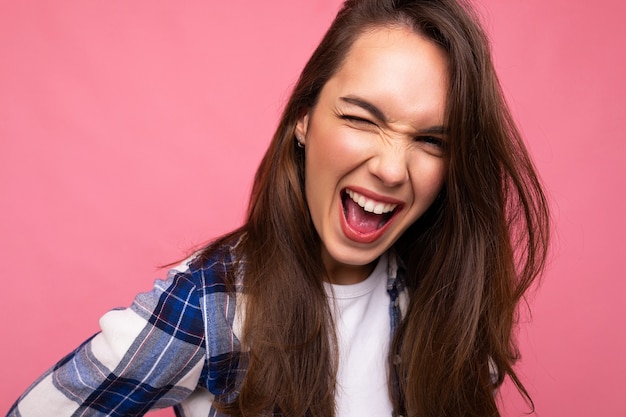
390	164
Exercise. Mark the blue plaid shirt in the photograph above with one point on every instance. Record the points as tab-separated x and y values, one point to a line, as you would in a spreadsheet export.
177	345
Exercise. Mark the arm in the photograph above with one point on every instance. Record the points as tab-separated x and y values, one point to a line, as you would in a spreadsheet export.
148	356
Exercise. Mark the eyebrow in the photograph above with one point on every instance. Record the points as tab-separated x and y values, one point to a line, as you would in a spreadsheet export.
380	115
367	106
434	130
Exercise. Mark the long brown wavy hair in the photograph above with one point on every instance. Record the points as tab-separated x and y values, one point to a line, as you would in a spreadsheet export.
469	259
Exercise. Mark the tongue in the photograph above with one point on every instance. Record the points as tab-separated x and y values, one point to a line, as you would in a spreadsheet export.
360	220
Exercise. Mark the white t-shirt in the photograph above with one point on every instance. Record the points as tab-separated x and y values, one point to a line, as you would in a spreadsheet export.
363	331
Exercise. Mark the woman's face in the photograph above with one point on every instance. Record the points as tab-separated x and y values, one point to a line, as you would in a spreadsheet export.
374	147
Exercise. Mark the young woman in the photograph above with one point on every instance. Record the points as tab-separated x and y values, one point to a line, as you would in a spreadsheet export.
394	225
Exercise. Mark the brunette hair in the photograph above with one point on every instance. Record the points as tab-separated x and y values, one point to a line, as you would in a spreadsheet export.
469	259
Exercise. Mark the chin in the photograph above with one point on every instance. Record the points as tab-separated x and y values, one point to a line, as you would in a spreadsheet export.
355	256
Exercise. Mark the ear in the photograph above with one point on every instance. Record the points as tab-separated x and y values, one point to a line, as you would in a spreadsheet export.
302	126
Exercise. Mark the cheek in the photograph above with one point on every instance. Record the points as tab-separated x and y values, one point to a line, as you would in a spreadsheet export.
335	150
428	177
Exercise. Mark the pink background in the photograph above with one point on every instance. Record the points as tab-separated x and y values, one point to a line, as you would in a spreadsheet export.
130	132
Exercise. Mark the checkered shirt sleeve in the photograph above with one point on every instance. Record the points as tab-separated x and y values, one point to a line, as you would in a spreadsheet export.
151	355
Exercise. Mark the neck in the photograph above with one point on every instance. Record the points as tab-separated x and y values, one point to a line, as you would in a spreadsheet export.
343	274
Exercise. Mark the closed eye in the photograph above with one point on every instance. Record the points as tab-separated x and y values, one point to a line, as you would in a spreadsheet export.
356	119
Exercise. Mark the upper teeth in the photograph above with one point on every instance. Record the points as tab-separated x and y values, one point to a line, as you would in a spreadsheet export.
370	205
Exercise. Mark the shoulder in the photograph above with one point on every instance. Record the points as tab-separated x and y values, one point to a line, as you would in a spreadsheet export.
217	269
198	284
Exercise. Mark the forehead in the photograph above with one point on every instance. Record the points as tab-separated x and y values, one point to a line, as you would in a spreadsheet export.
396	67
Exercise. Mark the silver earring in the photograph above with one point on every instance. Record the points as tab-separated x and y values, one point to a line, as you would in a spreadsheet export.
300	141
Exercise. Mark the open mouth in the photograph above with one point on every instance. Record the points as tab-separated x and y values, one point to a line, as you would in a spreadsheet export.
366	216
